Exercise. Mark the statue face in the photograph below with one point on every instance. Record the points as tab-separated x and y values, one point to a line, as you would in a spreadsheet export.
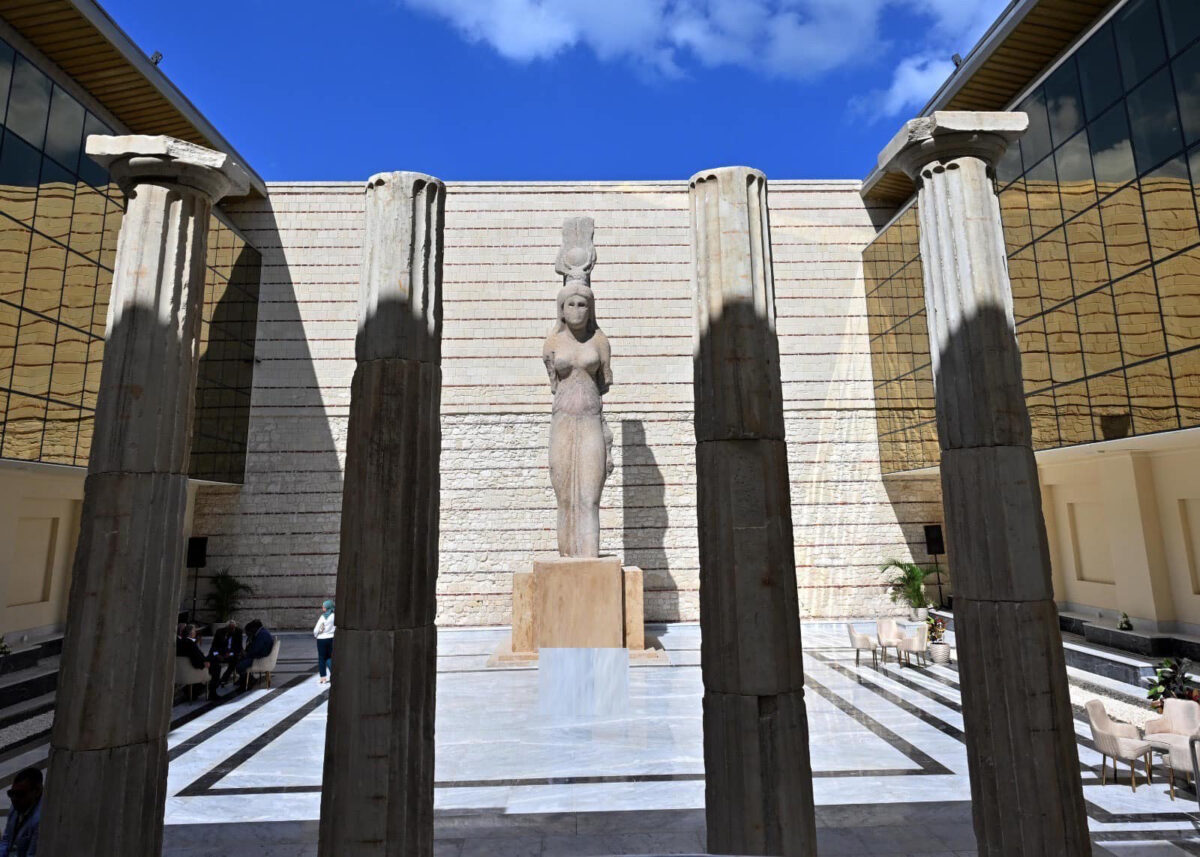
575	312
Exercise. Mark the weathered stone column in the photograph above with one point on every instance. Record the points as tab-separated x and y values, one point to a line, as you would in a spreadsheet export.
106	788
758	779
1025	785
377	797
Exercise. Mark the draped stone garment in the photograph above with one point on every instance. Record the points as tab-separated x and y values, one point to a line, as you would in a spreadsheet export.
579	445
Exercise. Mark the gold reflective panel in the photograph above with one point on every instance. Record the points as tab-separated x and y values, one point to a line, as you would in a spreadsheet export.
34	355
1026	291
23	428
1054	271
14	254
1074	413
61	433
1062	342
1014	211
55	201
1110	406
1138	319
44	278
1076	187
10	320
1185	369
1170	209
1098	332
1085	250
1035	355
70	364
1179	296
87	221
79	293
1124	232
1152	397
1045	211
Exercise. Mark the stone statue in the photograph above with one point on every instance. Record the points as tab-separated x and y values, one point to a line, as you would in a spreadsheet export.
579	362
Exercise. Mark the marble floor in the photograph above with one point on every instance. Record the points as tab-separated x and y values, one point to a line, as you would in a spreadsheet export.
889	763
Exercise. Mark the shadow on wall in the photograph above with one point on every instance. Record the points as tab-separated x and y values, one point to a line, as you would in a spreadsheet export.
279	530
645	522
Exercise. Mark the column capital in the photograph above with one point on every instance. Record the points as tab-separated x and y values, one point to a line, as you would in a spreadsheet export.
137	159
948	134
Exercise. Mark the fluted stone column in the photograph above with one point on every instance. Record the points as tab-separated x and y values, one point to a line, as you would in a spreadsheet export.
758	779
106	788
377	797
1025	783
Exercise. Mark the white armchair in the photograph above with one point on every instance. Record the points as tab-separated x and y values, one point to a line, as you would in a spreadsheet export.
1173	731
189	676
1118	740
265	665
890	636
862	642
915	644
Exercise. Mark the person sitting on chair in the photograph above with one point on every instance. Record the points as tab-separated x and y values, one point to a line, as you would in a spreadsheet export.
188	647
259	643
226	649
21	833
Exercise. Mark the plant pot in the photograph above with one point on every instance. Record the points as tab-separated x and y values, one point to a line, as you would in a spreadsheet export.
939	653
918	614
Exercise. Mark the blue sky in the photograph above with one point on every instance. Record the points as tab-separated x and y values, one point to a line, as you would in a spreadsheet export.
557	89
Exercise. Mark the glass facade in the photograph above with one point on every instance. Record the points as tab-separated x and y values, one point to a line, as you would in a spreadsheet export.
1099	205
59	219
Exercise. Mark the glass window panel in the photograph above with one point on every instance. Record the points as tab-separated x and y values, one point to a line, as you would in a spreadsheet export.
70	363
79	293
87	221
1076	187
100	315
1181	21
91	379
10	320
1170	208
1063	104
1187	90
1008	168
1110	406
1043	420
1022	273
1014	213
7	57
1139	40
64	132
1045	212
34	357
1035	143
1098	332
28	103
1062	341
1112	151
1074	413
1085	248
83	446
1179	298
44	279
14	254
55	199
90	171
1138	318
112	228
1099	74
1154	121
61	432
1125	236
1035	355
20	165
23	428
1151	397
1186	370
1054	272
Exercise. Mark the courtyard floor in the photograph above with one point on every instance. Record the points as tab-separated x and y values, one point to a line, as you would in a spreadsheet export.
889	764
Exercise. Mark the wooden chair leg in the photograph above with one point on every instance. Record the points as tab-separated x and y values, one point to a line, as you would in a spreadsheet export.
1170	775
1132	776
856	657
1103	769
268	680
1149	768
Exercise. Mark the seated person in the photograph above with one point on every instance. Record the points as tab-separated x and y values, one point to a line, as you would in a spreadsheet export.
188	647
259	643
226	649
21	833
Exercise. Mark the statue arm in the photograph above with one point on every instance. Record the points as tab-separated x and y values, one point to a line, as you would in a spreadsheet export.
548	359
605	375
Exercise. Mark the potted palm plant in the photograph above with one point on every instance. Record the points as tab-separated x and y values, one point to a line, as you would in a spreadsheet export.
908	585
225	595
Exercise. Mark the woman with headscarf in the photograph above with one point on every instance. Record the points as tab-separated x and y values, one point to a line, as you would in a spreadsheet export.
323	631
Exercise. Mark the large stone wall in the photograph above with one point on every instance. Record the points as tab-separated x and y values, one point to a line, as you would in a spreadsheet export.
279	531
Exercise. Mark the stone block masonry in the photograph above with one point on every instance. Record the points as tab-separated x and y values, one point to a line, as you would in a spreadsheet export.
280	531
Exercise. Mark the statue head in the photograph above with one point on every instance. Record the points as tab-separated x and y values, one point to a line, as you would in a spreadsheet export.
576	309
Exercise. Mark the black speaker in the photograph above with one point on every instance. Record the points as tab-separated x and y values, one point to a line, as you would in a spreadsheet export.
197	555
934	546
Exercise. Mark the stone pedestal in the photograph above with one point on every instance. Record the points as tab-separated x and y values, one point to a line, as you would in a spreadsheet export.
377	792
1026	792
106	788
758	778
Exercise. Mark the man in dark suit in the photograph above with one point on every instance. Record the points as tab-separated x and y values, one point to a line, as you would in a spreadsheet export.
259	643
187	647
226	649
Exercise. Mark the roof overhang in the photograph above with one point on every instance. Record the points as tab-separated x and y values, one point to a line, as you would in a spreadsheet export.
1028	36
80	38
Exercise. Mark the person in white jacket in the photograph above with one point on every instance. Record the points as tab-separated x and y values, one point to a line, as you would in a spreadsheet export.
323	631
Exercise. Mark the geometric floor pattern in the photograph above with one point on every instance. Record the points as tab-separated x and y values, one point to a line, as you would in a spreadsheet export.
889	764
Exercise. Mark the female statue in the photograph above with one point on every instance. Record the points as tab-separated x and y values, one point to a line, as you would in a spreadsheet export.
578	361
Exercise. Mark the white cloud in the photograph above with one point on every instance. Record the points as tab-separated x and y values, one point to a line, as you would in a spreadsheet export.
796	39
